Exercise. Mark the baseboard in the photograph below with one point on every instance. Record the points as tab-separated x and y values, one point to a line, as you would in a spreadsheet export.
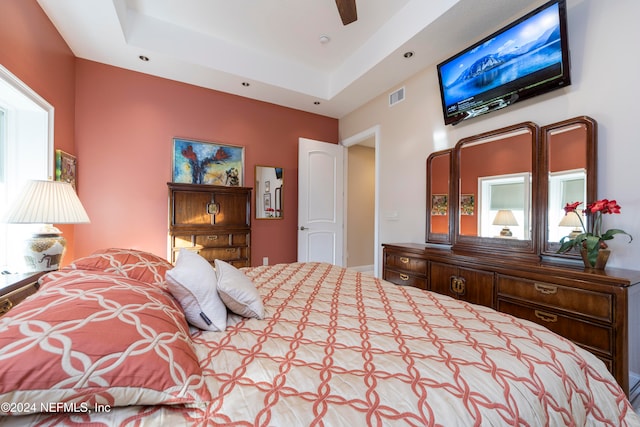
361	268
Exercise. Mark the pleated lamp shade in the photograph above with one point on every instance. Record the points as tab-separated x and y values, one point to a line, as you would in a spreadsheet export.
570	219
46	202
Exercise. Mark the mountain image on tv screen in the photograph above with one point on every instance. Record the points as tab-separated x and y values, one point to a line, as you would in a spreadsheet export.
526	54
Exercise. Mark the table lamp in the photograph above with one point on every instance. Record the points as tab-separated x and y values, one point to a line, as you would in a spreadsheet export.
47	203
572	219
505	217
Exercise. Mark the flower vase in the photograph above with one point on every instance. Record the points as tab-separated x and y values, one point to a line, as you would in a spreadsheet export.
601	260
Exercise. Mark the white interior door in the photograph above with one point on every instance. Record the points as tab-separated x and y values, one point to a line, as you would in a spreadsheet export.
320	202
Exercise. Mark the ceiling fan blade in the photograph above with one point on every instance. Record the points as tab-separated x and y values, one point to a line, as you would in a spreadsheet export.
347	10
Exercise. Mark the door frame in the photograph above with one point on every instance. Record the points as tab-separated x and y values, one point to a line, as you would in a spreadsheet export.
374	132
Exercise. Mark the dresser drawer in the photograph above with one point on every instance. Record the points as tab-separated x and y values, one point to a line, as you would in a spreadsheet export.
404	279
221	240
410	264
224	254
591	336
213	240
596	305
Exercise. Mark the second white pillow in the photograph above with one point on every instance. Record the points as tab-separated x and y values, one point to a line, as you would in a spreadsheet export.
238	291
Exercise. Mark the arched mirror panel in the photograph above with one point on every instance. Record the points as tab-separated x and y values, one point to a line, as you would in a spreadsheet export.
494	181
439	218
569	175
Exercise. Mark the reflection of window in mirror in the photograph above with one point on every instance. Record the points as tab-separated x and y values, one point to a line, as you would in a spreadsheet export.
564	187
505	194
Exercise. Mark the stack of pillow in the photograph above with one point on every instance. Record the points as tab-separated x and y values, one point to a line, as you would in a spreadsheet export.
206	294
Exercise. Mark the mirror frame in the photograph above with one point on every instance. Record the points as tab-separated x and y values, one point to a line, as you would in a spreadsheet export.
272	190
431	237
493	245
550	248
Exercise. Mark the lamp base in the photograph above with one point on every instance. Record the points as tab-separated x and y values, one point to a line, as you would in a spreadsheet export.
505	232
44	252
575	233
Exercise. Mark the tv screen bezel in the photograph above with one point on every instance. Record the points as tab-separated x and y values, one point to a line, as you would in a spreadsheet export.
510	96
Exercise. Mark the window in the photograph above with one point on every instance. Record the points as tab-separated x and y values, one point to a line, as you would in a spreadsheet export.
565	187
505	192
26	152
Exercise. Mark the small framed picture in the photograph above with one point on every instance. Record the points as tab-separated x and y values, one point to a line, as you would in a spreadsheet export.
467	204
66	165
439	204
199	162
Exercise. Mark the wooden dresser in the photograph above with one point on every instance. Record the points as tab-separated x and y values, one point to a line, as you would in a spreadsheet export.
214	221
598	310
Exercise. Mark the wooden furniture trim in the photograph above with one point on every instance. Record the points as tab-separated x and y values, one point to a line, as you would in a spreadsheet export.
16	287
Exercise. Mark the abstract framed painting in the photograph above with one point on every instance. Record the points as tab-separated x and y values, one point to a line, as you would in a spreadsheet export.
200	162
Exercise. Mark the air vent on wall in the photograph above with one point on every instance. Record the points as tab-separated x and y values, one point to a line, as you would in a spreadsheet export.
396	96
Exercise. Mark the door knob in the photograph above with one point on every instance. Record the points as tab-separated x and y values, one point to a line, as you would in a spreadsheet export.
303	228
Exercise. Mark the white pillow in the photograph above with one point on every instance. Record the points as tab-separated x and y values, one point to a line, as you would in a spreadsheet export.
238	291
193	283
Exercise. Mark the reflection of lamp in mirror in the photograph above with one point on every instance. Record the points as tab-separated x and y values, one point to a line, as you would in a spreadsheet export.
505	217
572	219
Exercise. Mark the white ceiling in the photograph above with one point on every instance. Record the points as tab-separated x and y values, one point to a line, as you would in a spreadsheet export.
274	45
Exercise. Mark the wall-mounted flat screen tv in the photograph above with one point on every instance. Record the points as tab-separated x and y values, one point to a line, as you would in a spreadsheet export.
526	58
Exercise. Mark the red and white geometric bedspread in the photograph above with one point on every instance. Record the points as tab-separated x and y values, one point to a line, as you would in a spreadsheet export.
338	348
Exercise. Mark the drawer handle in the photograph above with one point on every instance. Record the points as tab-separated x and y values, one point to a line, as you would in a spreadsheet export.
231	249
5	306
404	277
404	260
545	289
212	237
546	317
457	285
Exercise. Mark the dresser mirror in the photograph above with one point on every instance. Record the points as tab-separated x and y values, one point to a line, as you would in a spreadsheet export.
494	175
569	165
268	189
439	216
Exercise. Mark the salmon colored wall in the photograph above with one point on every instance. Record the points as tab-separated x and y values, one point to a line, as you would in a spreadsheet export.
500	157
125	125
567	150
33	51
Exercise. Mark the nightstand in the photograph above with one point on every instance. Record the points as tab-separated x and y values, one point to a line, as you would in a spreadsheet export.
16	287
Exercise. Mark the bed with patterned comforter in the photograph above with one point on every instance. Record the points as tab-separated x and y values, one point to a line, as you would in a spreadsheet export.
105	341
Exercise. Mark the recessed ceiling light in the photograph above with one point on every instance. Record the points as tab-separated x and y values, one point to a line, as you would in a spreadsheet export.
324	39
408	54
246	84
144	58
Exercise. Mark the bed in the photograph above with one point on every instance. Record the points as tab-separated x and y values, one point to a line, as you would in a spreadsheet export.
107	340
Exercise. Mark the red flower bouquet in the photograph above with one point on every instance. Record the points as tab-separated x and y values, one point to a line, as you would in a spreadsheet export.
594	239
